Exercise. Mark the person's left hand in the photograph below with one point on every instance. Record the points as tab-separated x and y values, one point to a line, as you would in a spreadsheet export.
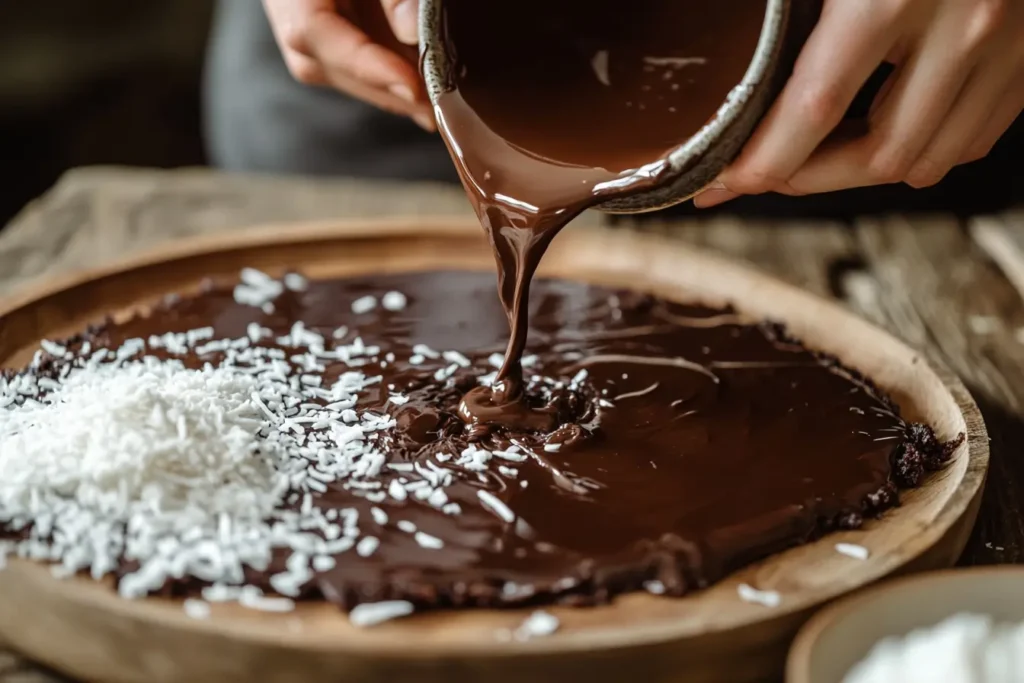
360	47
958	86
403	15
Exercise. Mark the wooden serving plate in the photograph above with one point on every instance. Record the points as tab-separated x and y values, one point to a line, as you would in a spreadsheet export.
82	628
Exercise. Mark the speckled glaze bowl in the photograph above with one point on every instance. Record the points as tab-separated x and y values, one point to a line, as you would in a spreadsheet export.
698	161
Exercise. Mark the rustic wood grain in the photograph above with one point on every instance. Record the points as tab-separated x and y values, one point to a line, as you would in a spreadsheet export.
96	215
952	290
936	288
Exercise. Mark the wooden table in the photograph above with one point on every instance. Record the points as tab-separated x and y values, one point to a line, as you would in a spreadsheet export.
953	289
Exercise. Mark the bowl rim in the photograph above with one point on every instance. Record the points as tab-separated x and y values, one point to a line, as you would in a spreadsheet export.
801	651
769	46
766	54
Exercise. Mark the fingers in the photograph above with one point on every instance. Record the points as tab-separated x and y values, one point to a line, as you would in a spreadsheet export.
421	114
304	69
322	47
850	41
978	120
1002	118
990	103
355	64
403	15
927	127
942	99
342	49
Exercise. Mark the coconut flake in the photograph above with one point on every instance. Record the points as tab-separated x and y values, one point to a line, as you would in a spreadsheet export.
373	613
207	473
495	505
295	282
255	600
540	624
393	301
367	546
425	540
364	304
748	593
857	552
196	609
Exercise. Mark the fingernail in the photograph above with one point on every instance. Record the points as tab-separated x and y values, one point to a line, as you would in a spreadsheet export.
713	196
426	122
405	21
402	92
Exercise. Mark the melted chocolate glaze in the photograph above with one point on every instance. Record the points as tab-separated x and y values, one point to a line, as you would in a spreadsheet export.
692	445
553	107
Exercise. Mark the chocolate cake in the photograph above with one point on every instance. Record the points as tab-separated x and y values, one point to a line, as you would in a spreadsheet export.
656	446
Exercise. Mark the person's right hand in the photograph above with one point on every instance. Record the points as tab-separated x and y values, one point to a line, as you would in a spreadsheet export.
329	43
957	87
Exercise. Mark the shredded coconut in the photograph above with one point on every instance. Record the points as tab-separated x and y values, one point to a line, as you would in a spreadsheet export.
425	540
258	289
766	598
676	62
538	625
207	473
379	516
189	473
253	598
495	505
963	648
373	613
295	282
599	63
857	552
393	301
147	460
364	305
196	609
368	546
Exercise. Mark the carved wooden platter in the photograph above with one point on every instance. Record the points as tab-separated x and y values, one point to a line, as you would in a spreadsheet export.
83	629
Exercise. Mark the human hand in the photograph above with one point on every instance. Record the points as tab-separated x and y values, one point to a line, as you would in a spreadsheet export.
355	46
957	87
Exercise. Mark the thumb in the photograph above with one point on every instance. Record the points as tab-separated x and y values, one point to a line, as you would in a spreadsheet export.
403	15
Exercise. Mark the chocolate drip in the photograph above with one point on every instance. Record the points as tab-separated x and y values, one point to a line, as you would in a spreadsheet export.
554	107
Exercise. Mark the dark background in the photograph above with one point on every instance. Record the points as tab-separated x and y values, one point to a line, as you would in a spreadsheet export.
97	82
118	82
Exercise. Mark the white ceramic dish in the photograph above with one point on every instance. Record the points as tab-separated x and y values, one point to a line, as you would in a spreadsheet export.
836	639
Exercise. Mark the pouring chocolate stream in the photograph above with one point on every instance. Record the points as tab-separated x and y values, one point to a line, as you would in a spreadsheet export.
552	108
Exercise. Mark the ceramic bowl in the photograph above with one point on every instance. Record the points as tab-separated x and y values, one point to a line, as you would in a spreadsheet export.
698	161
837	638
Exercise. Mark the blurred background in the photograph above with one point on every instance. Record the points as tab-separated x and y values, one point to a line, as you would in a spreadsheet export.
119	82
97	82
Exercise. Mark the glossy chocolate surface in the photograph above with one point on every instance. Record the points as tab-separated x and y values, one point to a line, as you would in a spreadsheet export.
669	443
